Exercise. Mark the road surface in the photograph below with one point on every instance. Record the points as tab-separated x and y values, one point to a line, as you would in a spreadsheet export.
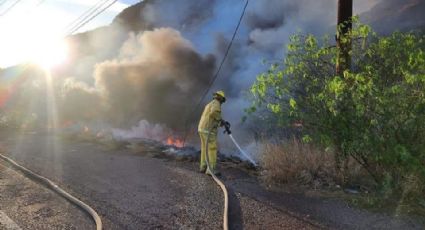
131	191
136	191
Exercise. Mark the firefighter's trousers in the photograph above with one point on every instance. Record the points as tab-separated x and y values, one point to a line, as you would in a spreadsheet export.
212	150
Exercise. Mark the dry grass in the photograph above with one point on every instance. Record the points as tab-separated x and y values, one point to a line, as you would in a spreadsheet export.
295	162
412	199
105	140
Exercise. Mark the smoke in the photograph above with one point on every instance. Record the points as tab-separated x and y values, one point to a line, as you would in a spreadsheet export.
144	130
87	49
186	14
79	102
390	15
273	22
149	68
157	75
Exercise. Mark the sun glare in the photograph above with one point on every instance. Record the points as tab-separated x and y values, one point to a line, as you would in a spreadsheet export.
48	54
34	35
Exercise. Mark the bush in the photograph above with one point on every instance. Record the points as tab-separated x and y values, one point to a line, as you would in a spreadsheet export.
295	162
374	112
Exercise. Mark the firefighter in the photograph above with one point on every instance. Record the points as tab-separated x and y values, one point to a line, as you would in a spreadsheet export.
208	125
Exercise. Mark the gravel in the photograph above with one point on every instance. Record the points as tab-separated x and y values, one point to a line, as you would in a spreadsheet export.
33	206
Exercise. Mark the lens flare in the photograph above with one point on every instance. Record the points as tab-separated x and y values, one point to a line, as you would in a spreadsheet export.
48	54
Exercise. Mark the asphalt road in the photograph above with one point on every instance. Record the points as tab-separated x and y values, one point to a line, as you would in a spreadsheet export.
25	204
131	191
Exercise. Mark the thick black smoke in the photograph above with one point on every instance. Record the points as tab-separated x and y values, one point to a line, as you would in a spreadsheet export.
158	76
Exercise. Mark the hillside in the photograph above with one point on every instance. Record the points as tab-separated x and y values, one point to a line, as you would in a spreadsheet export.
390	15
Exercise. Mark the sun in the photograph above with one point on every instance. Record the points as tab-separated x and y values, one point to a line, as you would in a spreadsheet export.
48	53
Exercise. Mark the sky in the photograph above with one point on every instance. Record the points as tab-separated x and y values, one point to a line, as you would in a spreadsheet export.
32	24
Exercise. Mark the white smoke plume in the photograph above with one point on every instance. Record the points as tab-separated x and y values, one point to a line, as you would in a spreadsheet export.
143	130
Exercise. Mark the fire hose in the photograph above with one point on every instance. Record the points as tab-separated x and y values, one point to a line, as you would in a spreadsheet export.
59	190
222	186
227	131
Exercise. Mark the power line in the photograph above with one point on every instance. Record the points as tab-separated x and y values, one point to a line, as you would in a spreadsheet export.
81	25
3	2
86	15
10	8
91	18
217	72
15	3
39	3
26	66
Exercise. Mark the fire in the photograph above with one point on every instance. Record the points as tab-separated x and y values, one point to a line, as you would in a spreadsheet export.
67	124
175	142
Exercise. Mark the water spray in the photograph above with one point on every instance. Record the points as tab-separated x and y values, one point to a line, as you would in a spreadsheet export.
227	131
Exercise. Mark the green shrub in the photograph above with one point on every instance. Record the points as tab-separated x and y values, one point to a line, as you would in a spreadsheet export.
373	112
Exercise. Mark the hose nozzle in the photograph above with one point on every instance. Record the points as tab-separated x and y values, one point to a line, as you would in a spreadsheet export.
226	126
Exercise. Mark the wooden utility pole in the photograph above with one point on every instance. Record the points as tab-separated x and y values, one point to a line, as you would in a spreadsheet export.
343	62
345	13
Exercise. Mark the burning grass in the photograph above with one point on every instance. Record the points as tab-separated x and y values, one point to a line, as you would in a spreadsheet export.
177	142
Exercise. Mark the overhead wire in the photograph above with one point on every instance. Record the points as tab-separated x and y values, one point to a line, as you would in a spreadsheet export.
86	14
91	18
215	178
189	116
16	2
44	180
81	21
39	3
10	8
3	2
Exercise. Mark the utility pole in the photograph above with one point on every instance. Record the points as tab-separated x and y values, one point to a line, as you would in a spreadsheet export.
345	13
343	62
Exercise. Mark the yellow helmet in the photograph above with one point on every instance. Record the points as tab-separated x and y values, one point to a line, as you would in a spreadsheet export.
220	93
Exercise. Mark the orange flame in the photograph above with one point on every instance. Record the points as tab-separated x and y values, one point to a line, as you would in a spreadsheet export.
175	142
67	123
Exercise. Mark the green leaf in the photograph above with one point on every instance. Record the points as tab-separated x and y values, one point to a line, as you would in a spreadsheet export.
306	139
292	103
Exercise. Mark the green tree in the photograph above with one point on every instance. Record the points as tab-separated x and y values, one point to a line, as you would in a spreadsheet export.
374	112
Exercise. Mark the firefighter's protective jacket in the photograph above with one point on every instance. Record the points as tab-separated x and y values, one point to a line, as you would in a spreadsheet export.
210	118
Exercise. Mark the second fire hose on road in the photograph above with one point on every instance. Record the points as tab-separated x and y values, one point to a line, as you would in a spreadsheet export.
57	189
